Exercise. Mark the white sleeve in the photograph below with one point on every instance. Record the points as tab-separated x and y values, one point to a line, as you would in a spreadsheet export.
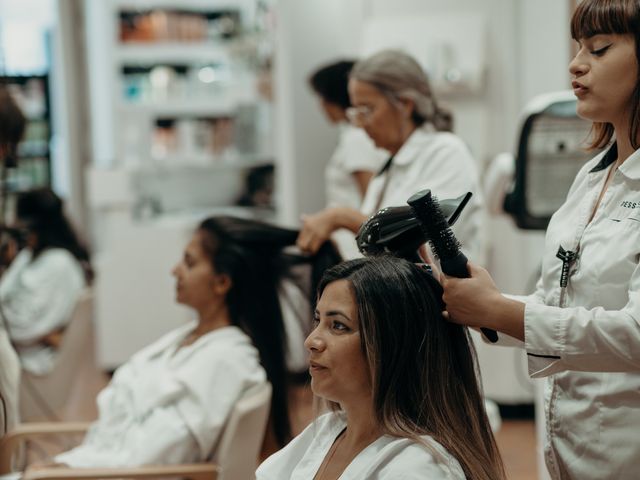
359	152
536	297
597	340
44	299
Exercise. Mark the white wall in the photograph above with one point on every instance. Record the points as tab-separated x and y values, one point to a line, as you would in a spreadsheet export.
310	33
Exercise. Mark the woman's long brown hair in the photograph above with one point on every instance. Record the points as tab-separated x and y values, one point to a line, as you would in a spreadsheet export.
423	368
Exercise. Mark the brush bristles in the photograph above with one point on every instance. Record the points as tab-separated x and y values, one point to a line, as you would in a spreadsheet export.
441	238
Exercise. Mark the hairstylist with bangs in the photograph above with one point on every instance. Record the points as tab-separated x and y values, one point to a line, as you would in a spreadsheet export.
581	328
393	102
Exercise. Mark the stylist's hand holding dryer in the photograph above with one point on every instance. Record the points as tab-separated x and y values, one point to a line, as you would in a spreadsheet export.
581	329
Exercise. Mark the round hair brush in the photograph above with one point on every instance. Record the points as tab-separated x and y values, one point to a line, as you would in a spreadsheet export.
443	242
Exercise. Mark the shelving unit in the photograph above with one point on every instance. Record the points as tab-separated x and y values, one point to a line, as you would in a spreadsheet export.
181	82
179	132
33	167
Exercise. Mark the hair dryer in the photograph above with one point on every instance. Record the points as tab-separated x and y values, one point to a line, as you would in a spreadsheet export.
398	231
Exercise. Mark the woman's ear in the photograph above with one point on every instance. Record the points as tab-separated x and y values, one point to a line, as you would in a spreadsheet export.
222	284
408	106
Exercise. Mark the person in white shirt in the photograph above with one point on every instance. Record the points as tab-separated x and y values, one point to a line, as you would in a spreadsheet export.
581	327
393	103
400	383
41	286
355	159
170	401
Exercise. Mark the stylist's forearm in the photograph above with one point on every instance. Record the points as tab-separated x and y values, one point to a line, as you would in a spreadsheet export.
348	218
508	317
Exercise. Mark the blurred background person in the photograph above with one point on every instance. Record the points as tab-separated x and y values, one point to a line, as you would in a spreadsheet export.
40	288
393	102
355	159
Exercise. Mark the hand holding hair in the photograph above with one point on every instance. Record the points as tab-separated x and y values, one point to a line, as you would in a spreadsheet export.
316	229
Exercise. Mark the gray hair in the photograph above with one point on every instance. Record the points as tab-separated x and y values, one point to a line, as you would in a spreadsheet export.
398	76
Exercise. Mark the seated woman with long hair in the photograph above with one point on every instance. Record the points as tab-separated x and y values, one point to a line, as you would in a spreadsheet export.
401	383
44	281
169	402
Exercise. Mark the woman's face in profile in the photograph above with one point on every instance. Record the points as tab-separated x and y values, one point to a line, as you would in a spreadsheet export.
196	279
384	122
338	368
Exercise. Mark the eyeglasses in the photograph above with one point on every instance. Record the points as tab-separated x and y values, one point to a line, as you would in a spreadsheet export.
358	115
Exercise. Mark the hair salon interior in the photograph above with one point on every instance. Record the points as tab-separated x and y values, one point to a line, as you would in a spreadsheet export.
147	116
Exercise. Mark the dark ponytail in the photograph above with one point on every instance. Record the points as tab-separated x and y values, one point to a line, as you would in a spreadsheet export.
251	253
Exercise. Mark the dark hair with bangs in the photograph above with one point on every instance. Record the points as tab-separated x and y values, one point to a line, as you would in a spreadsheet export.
423	368
622	17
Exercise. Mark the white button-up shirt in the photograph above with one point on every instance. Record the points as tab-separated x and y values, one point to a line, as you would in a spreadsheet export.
355	152
590	345
441	162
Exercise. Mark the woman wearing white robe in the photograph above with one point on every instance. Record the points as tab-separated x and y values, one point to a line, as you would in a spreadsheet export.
40	288
168	404
400	381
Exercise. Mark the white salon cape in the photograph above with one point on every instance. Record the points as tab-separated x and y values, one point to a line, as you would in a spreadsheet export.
589	346
167	404
387	458
355	152
441	162
38	297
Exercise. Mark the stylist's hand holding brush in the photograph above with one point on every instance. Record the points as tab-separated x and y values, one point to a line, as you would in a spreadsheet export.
476	302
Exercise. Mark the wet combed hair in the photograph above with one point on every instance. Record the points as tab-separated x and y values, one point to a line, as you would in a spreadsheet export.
423	368
330	82
251	254
12	121
622	17
41	212
398	76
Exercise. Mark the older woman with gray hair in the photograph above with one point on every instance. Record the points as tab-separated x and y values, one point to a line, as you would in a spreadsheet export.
393	102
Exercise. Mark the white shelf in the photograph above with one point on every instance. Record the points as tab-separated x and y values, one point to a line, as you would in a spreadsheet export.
171	52
206	107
